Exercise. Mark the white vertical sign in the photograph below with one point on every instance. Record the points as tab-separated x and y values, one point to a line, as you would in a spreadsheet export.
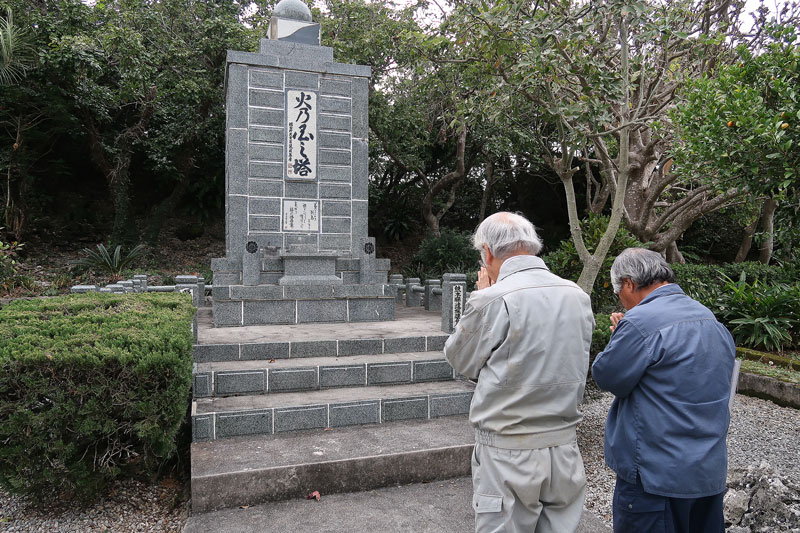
301	131
300	215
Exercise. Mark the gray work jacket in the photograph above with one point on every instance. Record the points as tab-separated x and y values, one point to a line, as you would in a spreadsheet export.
526	340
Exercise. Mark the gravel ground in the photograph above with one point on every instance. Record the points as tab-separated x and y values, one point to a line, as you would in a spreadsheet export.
760	431
130	507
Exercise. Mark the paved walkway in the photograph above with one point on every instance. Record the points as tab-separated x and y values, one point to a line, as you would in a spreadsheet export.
438	507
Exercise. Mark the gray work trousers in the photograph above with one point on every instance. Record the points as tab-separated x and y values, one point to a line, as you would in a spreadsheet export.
527	491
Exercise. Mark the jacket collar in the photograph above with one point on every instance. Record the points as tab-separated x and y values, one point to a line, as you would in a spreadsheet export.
666	290
518	263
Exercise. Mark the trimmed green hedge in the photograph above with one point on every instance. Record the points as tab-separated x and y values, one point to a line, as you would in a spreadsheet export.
92	387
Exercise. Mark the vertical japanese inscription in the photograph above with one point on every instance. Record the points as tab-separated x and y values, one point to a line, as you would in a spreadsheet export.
458	302
301	130
300	215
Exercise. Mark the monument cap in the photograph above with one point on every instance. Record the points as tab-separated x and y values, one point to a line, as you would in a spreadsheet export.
293	10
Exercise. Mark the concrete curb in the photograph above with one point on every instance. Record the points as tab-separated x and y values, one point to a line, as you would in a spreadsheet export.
767	388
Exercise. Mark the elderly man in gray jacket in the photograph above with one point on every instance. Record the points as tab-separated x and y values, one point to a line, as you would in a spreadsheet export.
525	336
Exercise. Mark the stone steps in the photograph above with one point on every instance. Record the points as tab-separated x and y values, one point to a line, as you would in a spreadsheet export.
282	410
287	375
251	470
267	414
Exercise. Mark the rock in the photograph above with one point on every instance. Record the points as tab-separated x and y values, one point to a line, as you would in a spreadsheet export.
736	503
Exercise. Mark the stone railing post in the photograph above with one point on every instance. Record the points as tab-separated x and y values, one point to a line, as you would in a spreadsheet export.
454	289
397	281
430	285
413	292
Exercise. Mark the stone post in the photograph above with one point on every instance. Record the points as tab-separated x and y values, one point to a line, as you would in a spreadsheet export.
413	298
397	281
454	289
431	284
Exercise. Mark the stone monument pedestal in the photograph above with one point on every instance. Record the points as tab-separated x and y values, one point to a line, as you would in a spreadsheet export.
296	178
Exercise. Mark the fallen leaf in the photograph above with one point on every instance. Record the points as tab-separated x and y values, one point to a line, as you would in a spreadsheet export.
313	496
272	360
244	506
328	429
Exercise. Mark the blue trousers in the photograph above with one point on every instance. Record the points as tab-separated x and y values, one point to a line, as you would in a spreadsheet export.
636	511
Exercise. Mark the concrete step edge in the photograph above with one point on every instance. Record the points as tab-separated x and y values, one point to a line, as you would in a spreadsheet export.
289	375
207	353
251	487
220	418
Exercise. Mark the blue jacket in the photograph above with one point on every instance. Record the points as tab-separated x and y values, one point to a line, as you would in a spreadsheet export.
669	364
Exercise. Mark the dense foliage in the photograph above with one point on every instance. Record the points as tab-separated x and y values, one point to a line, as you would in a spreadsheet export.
451	251
92	387
565	262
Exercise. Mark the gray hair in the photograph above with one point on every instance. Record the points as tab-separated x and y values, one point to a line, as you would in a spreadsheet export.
505	233
643	267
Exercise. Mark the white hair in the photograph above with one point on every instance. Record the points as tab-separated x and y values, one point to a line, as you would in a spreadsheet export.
641	266
506	233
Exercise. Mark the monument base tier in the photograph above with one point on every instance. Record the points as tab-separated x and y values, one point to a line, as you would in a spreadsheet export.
241	305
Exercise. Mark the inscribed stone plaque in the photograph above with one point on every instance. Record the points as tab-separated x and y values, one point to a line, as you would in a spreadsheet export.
300	215
458	303
301	129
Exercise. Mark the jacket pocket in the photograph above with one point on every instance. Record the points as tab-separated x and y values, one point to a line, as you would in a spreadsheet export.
486	503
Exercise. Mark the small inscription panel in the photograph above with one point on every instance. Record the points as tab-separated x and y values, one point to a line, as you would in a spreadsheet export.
458	302
301	131
300	215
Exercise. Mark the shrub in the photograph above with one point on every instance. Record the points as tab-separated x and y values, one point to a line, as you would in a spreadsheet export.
450	252
705	283
8	258
565	262
601	334
92	387
110	263
760	315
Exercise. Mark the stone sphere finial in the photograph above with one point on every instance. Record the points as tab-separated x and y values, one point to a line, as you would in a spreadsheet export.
292	9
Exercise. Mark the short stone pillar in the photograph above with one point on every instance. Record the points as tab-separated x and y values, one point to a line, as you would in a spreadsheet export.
188	284
430	285
78	289
141	281
396	280
413	292
454	289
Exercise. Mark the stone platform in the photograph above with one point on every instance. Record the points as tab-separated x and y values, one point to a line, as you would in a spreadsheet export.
337	407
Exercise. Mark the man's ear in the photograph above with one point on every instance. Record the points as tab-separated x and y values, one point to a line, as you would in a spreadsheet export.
489	255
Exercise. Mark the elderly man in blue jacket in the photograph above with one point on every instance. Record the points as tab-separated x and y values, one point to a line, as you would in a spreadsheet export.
669	363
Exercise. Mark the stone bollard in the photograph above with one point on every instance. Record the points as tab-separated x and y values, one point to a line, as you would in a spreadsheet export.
397	281
201	290
454	288
189	284
142	279
436	299
116	288
413	298
430	285
78	289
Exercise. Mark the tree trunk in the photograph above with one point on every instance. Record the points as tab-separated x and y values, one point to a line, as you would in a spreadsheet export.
768	227
747	241
591	266
451	180
487	190
673	254
124	230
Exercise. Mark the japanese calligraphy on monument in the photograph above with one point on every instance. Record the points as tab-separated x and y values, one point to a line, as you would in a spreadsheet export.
300	215
458	302
301	130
